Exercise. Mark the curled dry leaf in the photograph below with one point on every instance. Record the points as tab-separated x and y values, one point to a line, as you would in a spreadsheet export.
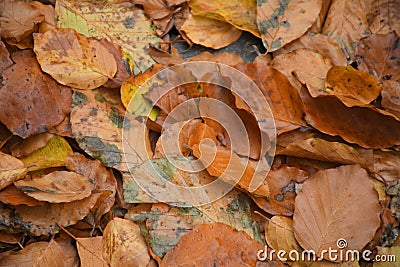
346	23
215	243
57	187
308	67
318	43
361	125
53	154
379	55
282	22
91	251
353	87
210	32
18	19
31	101
336	203
239	13
73	59
120	23
124	245
11	169
30	144
37	254
14	196
320	149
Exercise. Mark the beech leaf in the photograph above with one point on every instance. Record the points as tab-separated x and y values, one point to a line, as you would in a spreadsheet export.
11	169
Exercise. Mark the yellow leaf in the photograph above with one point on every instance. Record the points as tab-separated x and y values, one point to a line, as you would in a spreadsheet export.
121	23
53	154
239	13
73	59
281	22
11	169
210	32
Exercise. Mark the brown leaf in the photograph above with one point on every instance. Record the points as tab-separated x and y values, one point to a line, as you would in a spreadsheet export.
337	204
11	169
47	219
379	55
390	96
318	43
346	23
282	22
18	19
74	60
37	254
30	144
14	196
308	67
382	16
210	32
31	102
353	87
91	251
226	58
5	60
124	245
356	124
386	165
216	244
57	187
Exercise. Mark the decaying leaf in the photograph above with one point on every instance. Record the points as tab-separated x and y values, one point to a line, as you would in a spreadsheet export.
308	67
53	154
11	169
346	23
121	23
123	244
91	251
18	19
74	60
382	16
210	32
14	196
390	93
338	203
224	246
31	101
281	22
241	14
57	187
380	55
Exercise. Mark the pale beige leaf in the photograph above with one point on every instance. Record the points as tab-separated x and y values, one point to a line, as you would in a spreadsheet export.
210	32
57	187
123	244
281	22
74	60
11	169
91	251
335	204
346	23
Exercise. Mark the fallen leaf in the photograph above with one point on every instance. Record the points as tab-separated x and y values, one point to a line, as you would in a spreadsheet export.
47	219
37	254
9	238
318	43
49	21
53	154
324	204
390	96
346	23
382	16
74	60
14	196
379	55
5	60
353	87
57	187
224	246
210	32
355	125
319	23
30	144
11	169
320	149
91	251
386	165
18	19
308	67
123	244
226	58
282	22
32	102
241	14
120	23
